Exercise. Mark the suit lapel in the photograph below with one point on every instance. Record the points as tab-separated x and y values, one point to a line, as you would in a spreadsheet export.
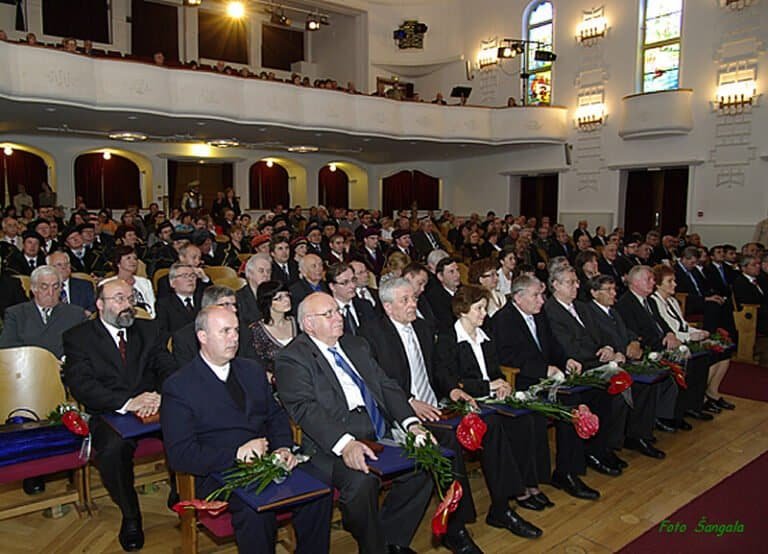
361	365
109	346
323	364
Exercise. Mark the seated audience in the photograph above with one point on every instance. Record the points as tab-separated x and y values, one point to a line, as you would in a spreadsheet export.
126	263
276	328
183	304
77	292
311	280
441	293
258	270
284	269
189	255
30	256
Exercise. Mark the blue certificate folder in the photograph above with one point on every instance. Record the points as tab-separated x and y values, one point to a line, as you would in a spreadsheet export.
129	426
649	379
392	460
297	488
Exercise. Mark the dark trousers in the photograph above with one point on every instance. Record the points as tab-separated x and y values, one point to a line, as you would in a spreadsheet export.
569	457
257	531
114	458
612	412
696	377
643	413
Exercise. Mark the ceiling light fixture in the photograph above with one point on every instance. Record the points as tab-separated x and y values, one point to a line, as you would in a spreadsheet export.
332	167
8	151
303	149
236	10
128	136
107	155
224	143
270	163
313	23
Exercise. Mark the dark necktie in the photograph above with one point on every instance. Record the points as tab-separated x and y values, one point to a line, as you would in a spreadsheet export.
188	304
31	264
721	271
349	321
612	315
285	270
46	315
647	306
695	283
122	346
377	420
235	390
63	296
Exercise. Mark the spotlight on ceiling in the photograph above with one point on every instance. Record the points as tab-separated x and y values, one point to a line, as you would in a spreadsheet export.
506	52
128	136
224	143
303	149
332	167
544	56
193	2
270	163
236	10
313	23
107	156
279	18
8	151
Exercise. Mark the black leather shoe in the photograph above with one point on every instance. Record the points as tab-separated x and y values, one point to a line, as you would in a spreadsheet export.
33	485
542	499
574	486
666	425
530	503
131	535
711	407
397	549
517	525
461	543
602	466
724	404
173	499
644	447
683	425
652	439
616	461
701	416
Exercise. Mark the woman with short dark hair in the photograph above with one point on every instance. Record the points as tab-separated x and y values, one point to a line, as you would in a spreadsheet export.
276	328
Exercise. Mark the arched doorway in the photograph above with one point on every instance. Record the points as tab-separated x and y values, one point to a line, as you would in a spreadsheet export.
107	183
333	187
401	190
268	185
18	167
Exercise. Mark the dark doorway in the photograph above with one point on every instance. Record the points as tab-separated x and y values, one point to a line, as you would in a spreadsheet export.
268	186
656	200
154	28
112	183
213	177
22	168
333	188
406	188
538	196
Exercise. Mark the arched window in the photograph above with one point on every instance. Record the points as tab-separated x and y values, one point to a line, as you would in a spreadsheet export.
539	30
660	49
333	187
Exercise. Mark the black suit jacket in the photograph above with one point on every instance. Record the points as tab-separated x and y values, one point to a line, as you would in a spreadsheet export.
301	289
11	293
389	351
185	347
455	363
558	249
613	269
81	294
279	275
172	315
365	314
695	301
375	265
649	329
422	245
515	346
310	391
96	374
577	342
247	309
203	426
715	280
613	332
164	287
440	301
747	293
16	263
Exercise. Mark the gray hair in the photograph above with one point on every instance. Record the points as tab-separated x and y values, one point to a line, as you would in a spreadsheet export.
201	320
743	262
523	283
49	257
387	288
214	293
557	273
690	252
250	266
636	271
42	271
557	262
174	270
434	257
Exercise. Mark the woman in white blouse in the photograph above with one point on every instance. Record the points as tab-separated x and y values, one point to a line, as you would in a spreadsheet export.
126	263
506	271
671	311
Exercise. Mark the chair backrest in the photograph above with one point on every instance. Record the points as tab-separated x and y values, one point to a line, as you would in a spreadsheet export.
464	273
141	271
141	313
235	283
85	277
219	272
26	283
159	274
29	378
244	257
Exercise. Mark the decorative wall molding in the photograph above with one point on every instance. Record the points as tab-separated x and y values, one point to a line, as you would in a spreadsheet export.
656	114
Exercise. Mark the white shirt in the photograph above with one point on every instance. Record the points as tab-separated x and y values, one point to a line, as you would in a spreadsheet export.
571	309
476	344
65	288
504	285
220	371
606	309
112	330
351	310
415	362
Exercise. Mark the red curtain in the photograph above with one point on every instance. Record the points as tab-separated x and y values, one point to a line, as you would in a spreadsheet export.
426	190
333	188
402	189
120	178
23	168
268	186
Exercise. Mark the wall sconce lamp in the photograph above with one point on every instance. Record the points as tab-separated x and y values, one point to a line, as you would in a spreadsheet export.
592	27
488	55
736	96
590	116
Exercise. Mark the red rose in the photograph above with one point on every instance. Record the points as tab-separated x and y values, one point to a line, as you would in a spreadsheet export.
620	382
585	422
680	379
213	507
471	431
448	505
74	422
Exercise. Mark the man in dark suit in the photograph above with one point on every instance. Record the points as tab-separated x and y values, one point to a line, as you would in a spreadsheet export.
582	229
311	269
115	363
218	409
258	270
364	292
747	290
608	264
77	292
401	242
284	269
701	300
80	258
191	256
41	321
338	394
335	253
719	276
524	340
404	346
441	293
562	246
343	285
370	251
31	256
181	307
425	240
418	275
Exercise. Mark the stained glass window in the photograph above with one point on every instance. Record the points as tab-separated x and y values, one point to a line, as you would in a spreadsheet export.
540	30
662	25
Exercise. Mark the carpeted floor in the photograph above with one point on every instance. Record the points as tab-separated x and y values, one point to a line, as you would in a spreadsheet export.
735	509
746	380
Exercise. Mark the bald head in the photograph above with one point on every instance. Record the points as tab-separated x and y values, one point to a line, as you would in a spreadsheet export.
218	333
320	318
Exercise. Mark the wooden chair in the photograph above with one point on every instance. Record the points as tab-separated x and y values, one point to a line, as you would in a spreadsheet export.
682	299
464	272
235	283
510	374
141	270
30	378
85	277
745	318
26	283
141	313
159	274
216	273
244	257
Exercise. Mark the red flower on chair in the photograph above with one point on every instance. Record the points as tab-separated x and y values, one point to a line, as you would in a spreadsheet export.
585	422
448	505
619	382
471	431
213	507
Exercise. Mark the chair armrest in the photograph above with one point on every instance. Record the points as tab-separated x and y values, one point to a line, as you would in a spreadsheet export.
510	374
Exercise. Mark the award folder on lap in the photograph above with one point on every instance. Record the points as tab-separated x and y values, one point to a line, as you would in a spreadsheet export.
128	426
